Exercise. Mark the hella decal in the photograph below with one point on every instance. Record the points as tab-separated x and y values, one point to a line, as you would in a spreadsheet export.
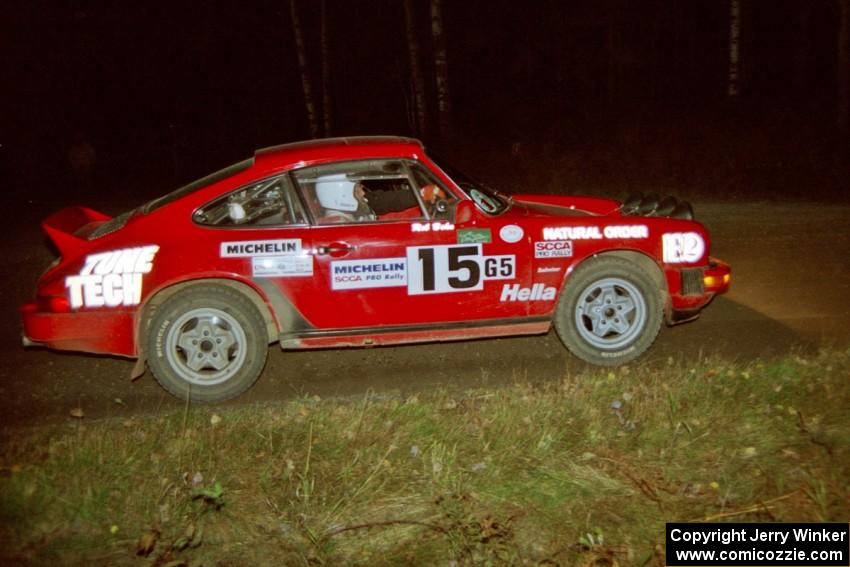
252	248
537	292
511	233
110	279
553	249
612	232
682	247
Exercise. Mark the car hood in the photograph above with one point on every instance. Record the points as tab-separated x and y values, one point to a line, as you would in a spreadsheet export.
563	206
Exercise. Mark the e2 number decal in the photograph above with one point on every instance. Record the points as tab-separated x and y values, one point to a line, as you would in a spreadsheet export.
445	269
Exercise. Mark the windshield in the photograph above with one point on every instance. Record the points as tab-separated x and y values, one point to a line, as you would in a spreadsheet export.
488	199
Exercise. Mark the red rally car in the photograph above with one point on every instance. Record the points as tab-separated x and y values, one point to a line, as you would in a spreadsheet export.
355	242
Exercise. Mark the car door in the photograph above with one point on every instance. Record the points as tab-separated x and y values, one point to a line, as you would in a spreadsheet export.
400	263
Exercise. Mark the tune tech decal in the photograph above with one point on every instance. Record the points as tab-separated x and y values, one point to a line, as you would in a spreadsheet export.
110	279
682	247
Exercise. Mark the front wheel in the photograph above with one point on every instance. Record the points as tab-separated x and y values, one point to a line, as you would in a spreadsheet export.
207	344
610	312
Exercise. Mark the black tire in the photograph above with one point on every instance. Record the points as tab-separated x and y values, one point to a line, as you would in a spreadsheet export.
610	311
207	343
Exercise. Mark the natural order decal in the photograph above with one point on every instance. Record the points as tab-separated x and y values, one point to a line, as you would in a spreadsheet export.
110	279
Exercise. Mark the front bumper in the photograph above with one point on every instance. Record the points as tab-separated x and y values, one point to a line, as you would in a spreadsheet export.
691	289
101	332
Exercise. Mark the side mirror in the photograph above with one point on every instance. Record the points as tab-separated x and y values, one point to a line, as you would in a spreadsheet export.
464	211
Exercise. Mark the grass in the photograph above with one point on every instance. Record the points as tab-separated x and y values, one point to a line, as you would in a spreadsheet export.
572	470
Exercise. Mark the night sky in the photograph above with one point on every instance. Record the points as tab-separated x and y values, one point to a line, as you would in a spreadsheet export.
166	92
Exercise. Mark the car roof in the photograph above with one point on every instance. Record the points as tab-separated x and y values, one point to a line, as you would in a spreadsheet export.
354	147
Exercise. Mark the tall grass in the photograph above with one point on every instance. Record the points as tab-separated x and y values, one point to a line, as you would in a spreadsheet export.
563	470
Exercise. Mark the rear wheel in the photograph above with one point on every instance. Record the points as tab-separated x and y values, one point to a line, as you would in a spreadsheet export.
207	343
610	312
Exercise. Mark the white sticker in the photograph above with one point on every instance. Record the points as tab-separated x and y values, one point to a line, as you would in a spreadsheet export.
110	279
553	249
537	292
511	233
456	267
282	266
682	247
252	248
612	232
364	274
548	270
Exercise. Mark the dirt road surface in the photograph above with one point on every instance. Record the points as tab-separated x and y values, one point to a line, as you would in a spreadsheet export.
790	291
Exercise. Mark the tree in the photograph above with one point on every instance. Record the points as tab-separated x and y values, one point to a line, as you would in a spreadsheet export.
733	78
844	66
305	72
417	81
441	68
326	71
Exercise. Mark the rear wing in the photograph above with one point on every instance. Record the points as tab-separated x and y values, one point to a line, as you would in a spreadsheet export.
63	226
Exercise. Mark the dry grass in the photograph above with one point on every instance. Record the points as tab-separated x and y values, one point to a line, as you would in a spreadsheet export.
563	471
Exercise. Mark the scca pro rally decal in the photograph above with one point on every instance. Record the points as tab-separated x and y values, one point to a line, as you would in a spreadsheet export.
682	247
359	274
110	279
252	248
553	249
612	232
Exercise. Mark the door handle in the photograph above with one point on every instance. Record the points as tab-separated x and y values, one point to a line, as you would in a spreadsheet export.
335	249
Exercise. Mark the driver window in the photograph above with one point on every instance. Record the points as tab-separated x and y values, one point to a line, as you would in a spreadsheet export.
435	195
270	202
360	192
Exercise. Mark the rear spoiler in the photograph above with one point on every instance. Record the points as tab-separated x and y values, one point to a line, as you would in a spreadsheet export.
62	228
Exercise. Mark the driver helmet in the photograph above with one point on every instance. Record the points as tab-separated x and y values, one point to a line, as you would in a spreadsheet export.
336	192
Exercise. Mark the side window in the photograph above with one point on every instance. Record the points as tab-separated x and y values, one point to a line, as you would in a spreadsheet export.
270	202
435	195
360	192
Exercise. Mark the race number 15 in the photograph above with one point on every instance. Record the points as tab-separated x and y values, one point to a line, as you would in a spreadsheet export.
444	269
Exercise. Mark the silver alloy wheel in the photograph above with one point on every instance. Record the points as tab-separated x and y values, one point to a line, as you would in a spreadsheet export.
610	313
206	346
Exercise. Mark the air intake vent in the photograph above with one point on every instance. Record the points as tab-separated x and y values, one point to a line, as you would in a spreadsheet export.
110	226
692	283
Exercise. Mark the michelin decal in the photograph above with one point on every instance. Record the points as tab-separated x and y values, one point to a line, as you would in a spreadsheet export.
359	274
110	279
253	248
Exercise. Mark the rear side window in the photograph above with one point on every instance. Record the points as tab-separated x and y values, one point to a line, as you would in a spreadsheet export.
270	202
